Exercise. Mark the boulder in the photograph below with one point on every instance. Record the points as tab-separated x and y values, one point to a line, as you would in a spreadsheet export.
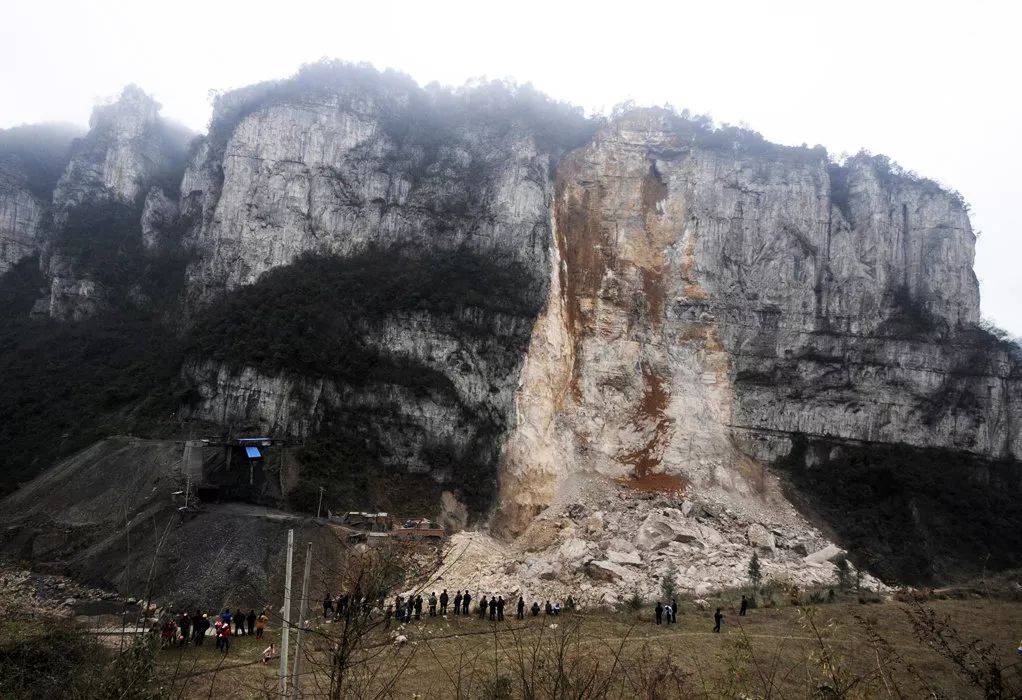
631	558
657	531
761	538
573	549
827	554
540	569
606	571
619	544
594	522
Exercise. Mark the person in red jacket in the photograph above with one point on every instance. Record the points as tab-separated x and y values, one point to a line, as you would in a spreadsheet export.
225	638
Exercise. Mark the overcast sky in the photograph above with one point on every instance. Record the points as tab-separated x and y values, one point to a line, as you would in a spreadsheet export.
933	85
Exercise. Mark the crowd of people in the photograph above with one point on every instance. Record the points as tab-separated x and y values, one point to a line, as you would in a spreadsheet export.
191	628
406	609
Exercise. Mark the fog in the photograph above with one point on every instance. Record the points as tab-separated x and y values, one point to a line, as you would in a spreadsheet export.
935	86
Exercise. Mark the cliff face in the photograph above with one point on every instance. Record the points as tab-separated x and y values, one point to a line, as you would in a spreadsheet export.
390	176
333	173
21	214
715	300
123	164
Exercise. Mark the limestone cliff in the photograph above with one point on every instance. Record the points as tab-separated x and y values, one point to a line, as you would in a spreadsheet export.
21	215
32	158
716	300
399	179
129	157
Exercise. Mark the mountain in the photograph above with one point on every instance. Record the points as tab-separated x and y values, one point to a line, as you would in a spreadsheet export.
482	304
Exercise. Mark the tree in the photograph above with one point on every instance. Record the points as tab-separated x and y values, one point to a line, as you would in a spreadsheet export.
755	571
844	574
668	585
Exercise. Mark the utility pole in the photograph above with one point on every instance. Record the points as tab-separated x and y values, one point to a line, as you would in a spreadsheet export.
320	506
296	679
286	614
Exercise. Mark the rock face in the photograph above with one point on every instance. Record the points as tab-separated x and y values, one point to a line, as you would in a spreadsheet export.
21	214
714	299
127	158
118	157
374	172
334	173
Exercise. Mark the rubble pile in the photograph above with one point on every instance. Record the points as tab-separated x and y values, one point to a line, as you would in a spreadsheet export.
612	542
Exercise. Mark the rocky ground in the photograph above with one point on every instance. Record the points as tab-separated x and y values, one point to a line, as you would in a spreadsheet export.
604	541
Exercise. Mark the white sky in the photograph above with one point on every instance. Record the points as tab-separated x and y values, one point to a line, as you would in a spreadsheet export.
934	85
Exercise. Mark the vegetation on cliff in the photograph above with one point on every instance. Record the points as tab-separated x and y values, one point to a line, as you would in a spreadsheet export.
908	514
318	318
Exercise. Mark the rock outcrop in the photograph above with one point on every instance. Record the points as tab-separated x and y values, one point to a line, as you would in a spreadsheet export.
126	161
120	155
21	215
716	298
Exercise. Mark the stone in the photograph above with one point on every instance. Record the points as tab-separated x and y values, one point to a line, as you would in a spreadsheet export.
620	544
573	549
657	531
624	557
827	554
761	538
606	571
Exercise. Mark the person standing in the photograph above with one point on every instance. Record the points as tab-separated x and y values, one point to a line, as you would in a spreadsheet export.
432	604
418	607
500	608
717	617
745	606
535	608
659	609
493	609
548	609
250	621
443	602
261	624
483	605
674	610
184	624
669	613
521	609
457	602
218	628
328	605
197	629
410	608
239	623
225	635
464	603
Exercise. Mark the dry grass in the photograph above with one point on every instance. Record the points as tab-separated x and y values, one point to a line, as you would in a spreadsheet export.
783	653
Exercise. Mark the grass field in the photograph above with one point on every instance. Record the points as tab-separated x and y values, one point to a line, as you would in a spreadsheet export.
788	652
